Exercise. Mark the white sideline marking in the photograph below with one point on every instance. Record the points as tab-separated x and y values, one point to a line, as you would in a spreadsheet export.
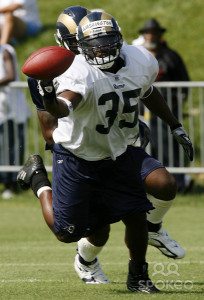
50	247
30	280
187	262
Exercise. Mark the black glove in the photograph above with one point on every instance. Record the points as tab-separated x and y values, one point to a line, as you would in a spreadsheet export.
144	134
182	138
47	89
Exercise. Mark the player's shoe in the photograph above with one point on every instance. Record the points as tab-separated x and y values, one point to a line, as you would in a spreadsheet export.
91	274
33	165
165	244
140	282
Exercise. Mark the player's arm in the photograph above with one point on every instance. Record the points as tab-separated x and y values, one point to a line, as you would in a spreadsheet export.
47	122
155	102
61	105
144	134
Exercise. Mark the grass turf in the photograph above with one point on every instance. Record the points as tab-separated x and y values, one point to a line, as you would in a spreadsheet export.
34	265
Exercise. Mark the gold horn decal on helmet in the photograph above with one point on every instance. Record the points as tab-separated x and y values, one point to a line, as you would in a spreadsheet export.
68	22
105	16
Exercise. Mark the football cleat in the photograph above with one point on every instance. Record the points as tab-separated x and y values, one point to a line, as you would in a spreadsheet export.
165	244
33	165
140	281
91	274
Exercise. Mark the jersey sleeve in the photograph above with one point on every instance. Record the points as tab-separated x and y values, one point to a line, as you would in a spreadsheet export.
76	79
35	95
67	83
152	72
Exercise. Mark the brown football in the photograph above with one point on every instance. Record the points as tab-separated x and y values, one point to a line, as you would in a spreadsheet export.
48	62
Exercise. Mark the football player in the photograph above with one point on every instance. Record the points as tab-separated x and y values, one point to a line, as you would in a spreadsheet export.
66	37
156	168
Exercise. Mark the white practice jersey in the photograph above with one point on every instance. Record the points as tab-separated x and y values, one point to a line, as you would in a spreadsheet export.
106	120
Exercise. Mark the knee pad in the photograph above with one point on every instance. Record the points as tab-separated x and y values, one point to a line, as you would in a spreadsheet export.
67	238
70	235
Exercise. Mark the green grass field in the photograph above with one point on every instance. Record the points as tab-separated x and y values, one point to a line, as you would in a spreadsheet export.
34	265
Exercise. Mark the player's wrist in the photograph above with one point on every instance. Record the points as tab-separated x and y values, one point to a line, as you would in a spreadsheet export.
47	86
175	126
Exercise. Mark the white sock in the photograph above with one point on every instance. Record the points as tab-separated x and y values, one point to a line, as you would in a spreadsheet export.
87	250
42	189
156	215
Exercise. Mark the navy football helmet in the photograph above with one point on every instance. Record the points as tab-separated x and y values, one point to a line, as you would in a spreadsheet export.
100	39
66	26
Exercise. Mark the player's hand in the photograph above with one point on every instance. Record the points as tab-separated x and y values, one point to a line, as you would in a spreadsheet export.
144	134
46	88
182	138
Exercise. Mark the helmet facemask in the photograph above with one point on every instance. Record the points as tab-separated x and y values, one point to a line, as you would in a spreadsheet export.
102	50
67	41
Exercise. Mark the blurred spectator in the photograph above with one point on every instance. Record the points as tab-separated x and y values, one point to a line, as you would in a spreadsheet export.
18	19
14	113
171	68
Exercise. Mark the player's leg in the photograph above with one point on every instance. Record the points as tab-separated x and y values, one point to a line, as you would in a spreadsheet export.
136	239
74	187
34	175
86	262
128	201
45	198
162	186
